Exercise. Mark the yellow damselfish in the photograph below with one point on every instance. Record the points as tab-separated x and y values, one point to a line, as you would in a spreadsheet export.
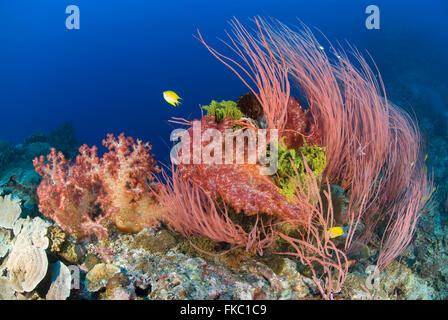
335	232
172	98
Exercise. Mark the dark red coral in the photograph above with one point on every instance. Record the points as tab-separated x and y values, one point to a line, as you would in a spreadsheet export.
300	125
249	105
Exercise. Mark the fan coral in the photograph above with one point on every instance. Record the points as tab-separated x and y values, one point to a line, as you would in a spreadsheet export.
82	197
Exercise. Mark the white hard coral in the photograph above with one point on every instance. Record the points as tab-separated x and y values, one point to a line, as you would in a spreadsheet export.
27	263
9	211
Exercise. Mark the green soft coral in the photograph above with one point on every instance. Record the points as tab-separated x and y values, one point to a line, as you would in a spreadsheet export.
223	109
315	157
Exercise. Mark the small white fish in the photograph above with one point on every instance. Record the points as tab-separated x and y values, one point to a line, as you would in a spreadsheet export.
321	48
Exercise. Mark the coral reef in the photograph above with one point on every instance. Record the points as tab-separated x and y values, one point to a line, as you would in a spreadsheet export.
221	229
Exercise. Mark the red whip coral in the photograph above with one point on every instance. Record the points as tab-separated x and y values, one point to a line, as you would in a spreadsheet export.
371	143
314	245
82	196
266	69
192	211
373	148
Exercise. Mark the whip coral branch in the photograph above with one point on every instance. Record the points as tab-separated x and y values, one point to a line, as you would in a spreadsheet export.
370	143
191	211
268	72
403	221
314	248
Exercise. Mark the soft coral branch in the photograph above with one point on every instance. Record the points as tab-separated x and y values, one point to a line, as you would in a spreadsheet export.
83	196
67	194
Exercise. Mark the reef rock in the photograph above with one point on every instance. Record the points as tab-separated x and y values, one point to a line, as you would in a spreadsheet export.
98	277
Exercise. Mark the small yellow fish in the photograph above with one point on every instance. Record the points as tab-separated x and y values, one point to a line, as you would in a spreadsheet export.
426	157
335	232
412	164
172	98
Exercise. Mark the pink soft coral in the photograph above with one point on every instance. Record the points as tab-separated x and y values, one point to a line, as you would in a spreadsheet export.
67	194
82	196
126	173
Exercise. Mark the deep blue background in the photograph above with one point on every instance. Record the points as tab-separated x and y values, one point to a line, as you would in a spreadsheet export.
109	75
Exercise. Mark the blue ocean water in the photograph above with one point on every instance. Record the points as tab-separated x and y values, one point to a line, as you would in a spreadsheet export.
109	75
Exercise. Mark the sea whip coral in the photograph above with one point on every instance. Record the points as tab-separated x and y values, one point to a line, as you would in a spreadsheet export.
190	210
373	148
83	196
